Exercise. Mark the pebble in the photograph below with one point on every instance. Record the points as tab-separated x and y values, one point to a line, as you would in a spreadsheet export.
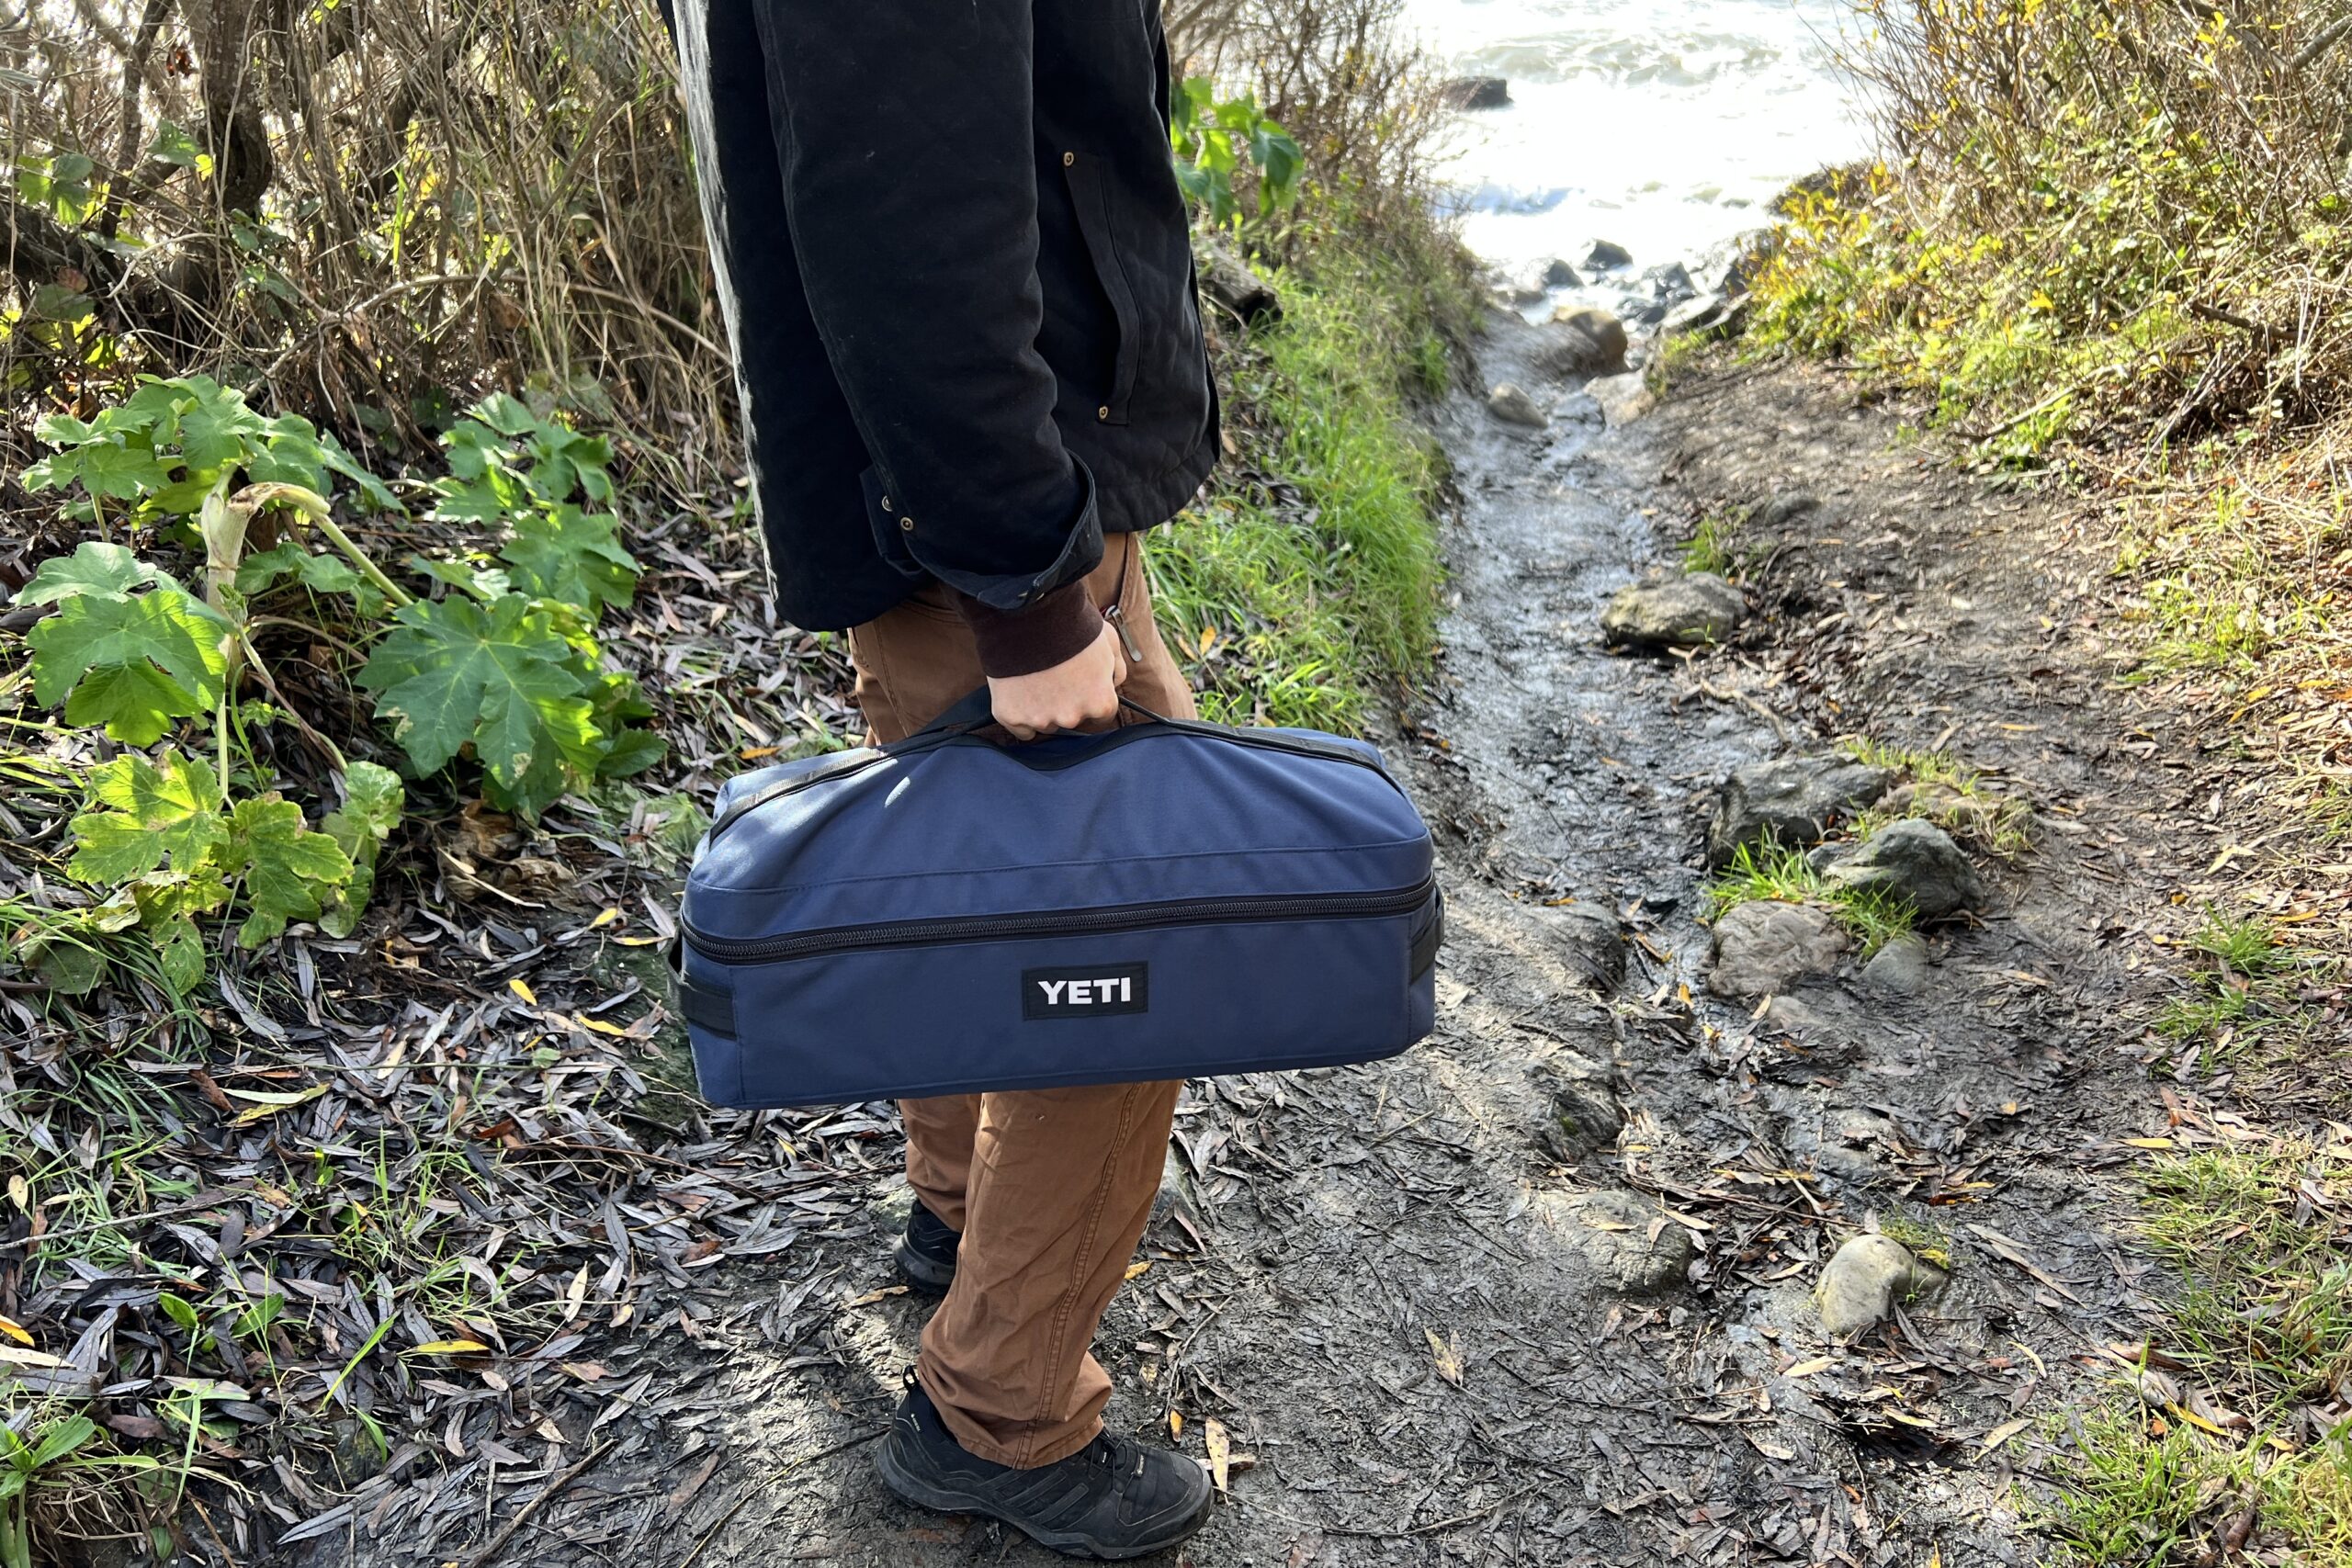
1764	946
1694	610
1510	403
1864	1282
1898	969
1917	863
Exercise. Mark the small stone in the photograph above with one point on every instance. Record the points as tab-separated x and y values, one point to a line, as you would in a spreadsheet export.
1510	403
1914	863
1586	1117
1589	939
1622	398
1612	1228
1671	282
1594	344
1476	93
1558	273
1695	610
1864	1282
1607	254
1783	509
1791	801
1706	313
1764	946
1898	969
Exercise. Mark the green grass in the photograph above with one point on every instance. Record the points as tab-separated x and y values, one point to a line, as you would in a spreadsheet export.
2258	1342
1953	797
1709	547
1771	873
1309	610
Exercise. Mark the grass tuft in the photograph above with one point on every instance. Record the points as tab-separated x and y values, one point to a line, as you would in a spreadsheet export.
1771	873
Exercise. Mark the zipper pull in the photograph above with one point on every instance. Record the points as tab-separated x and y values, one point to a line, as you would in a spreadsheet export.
1126	637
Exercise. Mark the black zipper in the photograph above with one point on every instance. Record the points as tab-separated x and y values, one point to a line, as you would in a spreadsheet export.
1057	923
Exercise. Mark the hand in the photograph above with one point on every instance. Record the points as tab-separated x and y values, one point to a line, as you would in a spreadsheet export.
1071	696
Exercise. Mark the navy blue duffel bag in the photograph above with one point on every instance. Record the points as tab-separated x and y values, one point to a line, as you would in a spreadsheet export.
952	913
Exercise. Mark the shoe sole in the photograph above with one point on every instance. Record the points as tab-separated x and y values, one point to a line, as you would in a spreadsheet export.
910	1488
922	1273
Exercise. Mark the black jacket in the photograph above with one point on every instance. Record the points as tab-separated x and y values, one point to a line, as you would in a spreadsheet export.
958	274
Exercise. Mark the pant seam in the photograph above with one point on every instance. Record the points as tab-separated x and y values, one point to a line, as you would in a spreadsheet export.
1069	1303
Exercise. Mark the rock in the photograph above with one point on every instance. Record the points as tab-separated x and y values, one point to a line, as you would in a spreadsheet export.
1869	1275
1671	281
1623	397
1763	946
1510	404
1605	256
1589	939
1476	93
1226	279
1898	969
1708	313
1917	863
1783	509
1593	344
1791	800
1586	1117
1558	273
1612	1228
1690	610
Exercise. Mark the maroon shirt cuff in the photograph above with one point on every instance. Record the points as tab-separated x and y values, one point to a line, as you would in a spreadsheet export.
1053	629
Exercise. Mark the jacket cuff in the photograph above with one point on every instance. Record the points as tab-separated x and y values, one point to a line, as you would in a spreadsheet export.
1052	628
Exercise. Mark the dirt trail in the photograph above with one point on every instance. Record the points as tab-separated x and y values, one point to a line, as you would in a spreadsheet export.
1446	1306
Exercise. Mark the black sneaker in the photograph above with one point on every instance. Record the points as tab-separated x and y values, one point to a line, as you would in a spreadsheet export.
1112	1499
927	1252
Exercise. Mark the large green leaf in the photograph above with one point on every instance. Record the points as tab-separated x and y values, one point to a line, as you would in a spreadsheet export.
566	554
134	665
321	574
453	673
106	469
108	571
289	870
372	797
143	814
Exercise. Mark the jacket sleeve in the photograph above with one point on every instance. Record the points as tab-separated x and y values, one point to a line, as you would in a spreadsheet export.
909	169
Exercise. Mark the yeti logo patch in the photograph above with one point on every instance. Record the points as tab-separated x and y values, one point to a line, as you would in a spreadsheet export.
1093	992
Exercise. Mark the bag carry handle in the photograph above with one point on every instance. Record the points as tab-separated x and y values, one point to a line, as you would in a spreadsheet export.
975	711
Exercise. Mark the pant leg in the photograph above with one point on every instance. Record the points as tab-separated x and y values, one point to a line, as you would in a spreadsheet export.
1052	1188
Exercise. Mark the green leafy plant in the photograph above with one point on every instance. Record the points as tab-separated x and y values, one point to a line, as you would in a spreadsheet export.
170	443
1215	139
166	836
128	649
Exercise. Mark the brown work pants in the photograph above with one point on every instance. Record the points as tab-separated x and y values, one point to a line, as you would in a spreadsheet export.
1051	1188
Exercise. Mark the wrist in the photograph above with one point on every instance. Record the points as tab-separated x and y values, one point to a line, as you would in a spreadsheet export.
1053	629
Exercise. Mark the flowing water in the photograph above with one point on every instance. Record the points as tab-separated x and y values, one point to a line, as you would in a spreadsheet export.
1663	126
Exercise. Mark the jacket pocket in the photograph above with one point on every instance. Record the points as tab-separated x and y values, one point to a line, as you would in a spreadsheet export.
1090	194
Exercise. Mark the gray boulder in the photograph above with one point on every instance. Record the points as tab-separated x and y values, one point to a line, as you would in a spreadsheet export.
1783	509
1606	255
1898	969
1476	93
1623	397
1865	1280
1594	344
1627	1238
1708	314
1762	947
1510	404
1694	610
1917	863
1791	800
1558	273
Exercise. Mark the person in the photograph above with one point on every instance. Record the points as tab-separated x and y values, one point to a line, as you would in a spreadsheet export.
957	272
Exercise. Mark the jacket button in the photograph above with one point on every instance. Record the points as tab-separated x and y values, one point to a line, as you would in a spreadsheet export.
906	524
1067	159
1103	413
886	504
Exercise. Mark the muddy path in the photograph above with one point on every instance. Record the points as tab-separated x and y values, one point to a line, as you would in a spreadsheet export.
1540	1291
